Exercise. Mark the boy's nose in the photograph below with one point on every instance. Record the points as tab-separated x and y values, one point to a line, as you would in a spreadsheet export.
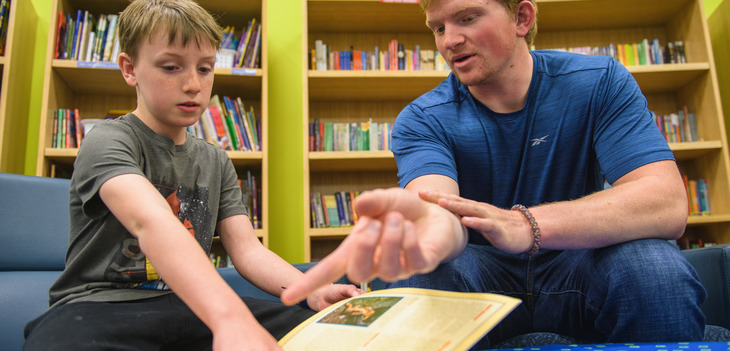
192	82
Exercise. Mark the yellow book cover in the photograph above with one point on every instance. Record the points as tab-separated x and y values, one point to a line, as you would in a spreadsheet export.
402	319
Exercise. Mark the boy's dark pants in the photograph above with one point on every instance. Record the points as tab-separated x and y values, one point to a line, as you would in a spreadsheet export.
160	323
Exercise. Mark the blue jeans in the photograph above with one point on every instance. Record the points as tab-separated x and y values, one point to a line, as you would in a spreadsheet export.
638	291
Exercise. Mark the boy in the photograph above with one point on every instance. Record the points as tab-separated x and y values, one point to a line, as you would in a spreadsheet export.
145	196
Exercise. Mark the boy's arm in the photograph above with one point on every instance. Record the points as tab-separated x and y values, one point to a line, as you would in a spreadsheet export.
265	269
181	262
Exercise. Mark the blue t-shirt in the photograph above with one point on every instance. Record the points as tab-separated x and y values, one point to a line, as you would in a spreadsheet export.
585	121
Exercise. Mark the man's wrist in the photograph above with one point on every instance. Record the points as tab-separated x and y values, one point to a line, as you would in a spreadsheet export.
536	235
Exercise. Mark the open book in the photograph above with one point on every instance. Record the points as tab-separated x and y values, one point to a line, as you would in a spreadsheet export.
402	319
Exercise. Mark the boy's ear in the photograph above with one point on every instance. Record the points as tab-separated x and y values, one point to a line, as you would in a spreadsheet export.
525	17
127	68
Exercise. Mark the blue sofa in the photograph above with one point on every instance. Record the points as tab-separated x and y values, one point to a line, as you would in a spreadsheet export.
34	217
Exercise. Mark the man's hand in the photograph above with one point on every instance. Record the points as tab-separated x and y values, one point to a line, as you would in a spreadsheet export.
398	235
507	230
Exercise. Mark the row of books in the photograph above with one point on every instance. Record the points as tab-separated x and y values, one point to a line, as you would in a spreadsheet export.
251	196
69	128
332	210
219	261
364	136
229	126
679	127
396	57
243	48
685	243
87	37
642	53
4	19
699	202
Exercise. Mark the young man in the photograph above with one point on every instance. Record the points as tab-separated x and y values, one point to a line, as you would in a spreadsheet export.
145	196
503	166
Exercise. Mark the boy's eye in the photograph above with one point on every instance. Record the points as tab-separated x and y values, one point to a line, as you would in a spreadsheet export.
169	68
438	30
469	18
205	69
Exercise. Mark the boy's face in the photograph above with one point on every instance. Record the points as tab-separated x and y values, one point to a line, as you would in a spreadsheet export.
173	82
476	37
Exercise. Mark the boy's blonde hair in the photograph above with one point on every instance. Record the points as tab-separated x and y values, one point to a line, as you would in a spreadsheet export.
179	17
511	6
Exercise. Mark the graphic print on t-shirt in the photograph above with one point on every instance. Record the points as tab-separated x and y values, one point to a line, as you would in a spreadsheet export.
191	207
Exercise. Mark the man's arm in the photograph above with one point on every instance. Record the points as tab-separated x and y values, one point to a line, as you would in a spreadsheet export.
648	202
182	264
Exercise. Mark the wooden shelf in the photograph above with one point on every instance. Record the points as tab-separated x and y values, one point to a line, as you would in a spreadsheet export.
686	151
708	219
351	161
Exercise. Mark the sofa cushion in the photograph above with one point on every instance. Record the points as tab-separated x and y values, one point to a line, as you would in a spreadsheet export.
713	267
23	297
35	220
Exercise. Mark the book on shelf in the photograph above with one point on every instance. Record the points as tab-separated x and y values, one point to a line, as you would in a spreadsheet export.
352	136
70	128
685	243
251	196
332	210
402	319
644	52
84	36
67	129
227	124
397	57
697	195
4	22
245	48
677	127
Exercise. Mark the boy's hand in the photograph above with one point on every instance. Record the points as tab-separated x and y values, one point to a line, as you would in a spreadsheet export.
330	294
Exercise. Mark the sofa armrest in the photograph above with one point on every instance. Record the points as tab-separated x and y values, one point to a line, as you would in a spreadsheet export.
713	267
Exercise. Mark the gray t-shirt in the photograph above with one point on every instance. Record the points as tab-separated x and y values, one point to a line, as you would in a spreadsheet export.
104	261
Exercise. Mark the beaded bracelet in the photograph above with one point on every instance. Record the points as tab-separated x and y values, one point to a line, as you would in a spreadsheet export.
535	229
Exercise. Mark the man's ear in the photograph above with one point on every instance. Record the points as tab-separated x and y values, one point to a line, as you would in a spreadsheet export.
127	67
525	17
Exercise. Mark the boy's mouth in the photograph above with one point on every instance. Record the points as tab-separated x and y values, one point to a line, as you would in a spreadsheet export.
188	106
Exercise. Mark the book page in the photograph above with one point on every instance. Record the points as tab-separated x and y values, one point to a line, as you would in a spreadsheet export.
402	319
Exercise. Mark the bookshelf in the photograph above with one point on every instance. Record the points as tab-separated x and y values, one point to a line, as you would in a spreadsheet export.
97	88
351	96
15	68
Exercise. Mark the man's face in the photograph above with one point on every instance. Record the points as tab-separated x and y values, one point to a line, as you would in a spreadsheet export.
477	38
173	81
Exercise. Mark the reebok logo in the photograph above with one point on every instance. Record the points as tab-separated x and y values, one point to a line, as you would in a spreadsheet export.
538	141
